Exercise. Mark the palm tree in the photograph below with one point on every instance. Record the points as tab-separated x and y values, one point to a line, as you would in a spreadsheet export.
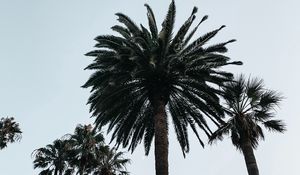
249	107
9	131
142	74
53	158
109	162
84	142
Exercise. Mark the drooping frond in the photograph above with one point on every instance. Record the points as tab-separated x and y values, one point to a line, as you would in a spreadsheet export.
122	31
219	134
275	125
131	26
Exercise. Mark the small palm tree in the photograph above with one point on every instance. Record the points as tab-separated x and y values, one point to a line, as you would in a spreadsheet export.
249	107
53	158
9	131
109	162
142	74
84	142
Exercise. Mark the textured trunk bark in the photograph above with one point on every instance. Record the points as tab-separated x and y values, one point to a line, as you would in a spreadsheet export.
161	149
250	160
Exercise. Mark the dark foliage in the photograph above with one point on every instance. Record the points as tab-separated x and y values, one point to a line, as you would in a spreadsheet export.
140	64
249	107
9	131
83	153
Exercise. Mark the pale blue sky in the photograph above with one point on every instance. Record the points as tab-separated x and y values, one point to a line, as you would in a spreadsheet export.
42	47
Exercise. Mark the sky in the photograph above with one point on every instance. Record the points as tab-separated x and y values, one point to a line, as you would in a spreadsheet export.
42	47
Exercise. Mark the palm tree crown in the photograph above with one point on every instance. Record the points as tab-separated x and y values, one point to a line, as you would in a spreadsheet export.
109	162
52	158
141	69
249	107
83	144
9	131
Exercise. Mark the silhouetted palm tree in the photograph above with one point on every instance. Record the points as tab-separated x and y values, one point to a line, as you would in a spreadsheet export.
142	74
9	131
109	162
53	158
249	107
84	142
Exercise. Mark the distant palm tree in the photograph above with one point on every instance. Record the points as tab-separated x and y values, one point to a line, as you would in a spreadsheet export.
84	142
141	74
9	131
53	158
109	162
249	106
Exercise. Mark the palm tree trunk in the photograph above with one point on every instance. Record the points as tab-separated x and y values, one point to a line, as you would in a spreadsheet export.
249	156
161	137
81	171
82	168
106	171
55	171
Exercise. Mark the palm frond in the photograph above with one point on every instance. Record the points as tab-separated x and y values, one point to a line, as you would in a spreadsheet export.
191	34
275	125
269	99
151	22
131	26
198	43
167	26
177	42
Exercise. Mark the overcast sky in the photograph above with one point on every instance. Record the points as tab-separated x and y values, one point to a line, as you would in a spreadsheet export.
42	47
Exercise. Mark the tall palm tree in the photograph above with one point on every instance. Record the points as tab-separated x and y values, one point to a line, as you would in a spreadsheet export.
84	142
249	107
53	158
142	74
109	162
9	131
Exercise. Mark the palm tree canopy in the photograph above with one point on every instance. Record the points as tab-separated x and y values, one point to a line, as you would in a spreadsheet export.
83	152
249	106
52	157
9	131
83	145
108	160
140	65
